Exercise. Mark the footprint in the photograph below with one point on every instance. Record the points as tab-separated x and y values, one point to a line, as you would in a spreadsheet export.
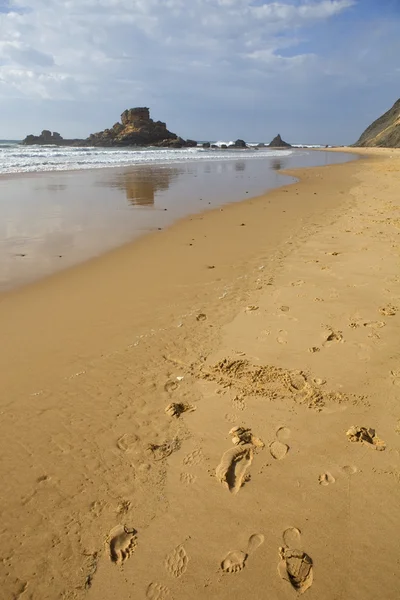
333	336
156	591
283	433
194	458
122	543
365	436
291	537
326	478
297	381
314	349
234	465
236	560
374	324
388	311
231	418
201	317
349	469
127	442
297	568
297	283
171	386
395	377
278	450
176	562
282	337
251	308
161	451
238	403
187	478
175	409
243	435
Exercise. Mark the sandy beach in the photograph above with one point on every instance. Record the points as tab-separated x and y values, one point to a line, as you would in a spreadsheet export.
269	329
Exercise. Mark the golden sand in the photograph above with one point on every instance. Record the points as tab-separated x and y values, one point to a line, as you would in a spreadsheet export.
268	330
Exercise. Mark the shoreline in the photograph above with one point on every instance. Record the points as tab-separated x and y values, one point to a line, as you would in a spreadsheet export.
287	282
80	217
151	271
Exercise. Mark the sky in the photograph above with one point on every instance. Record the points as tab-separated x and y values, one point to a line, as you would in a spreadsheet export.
315	71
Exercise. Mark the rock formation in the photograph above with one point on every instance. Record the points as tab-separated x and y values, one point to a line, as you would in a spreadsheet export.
385	131
138	129
239	144
46	138
278	142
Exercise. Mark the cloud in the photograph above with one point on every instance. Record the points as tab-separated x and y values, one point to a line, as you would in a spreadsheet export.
93	43
211	56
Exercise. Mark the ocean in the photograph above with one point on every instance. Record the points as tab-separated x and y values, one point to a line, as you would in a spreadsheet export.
61	206
15	158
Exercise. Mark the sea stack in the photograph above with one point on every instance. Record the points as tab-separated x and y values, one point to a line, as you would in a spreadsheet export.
278	142
138	129
385	131
47	138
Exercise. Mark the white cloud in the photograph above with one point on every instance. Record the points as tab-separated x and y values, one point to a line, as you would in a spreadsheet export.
112	45
227	60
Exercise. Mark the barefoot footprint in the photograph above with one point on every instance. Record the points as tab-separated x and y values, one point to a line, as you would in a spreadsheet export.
234	465
326	478
235	561
122	543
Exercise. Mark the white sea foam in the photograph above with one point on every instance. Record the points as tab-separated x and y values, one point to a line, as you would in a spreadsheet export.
15	158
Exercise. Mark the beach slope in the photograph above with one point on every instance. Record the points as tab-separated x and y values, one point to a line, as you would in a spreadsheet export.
269	330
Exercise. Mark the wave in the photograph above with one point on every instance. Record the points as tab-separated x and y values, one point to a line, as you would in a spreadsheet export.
16	158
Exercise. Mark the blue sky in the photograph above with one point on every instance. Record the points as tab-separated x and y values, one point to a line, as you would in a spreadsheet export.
316	71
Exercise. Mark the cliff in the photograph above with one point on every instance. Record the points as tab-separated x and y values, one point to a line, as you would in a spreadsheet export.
278	142
385	131
138	129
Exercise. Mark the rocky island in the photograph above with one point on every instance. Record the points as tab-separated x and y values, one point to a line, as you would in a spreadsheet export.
136	129
278	142
384	132
48	138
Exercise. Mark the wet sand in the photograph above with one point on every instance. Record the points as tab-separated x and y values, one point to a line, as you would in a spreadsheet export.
52	221
279	316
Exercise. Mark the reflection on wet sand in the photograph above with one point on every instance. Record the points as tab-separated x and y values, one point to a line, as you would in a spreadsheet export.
56	187
55	220
276	164
141	186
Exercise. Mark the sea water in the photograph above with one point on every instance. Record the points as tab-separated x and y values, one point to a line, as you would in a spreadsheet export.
57	211
16	158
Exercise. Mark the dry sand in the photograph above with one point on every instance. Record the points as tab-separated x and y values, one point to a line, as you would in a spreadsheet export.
277	318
